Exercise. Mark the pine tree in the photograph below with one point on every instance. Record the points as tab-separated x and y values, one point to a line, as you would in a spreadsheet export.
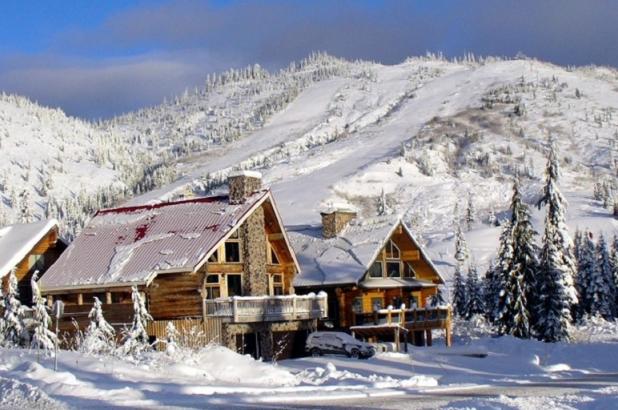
586	268
381	207
459	292
437	299
13	314
501	274
100	335
557	292
615	269
26	213
474	290
470	213
490	291
524	263
42	337
2	324
602	292
136	339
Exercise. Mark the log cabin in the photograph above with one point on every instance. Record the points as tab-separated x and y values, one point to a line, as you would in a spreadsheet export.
370	268
222	264
28	248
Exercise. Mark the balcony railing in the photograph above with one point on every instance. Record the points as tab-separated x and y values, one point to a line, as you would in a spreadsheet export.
247	309
425	318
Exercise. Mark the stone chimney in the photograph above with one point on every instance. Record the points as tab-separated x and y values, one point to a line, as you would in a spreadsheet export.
243	184
334	221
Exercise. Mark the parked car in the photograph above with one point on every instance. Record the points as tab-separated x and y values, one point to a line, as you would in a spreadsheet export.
319	343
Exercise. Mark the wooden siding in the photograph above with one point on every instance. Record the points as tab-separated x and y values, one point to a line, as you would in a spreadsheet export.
177	295
193	333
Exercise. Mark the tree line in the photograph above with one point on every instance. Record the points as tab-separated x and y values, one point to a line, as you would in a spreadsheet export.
536	290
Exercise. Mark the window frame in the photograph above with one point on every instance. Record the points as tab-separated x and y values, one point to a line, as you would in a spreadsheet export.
210	286
369	272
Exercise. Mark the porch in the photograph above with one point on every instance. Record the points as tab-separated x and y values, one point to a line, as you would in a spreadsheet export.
250	309
397	322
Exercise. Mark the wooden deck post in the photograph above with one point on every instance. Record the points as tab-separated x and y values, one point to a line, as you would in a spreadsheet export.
397	339
429	337
108	298
235	311
80	298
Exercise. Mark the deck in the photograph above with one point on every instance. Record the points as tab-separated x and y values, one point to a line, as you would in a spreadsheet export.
398	322
251	309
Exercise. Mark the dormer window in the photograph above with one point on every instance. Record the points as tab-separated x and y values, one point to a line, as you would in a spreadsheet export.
408	270
392	251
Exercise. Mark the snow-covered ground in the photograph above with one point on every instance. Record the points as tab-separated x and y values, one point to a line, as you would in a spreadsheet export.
487	372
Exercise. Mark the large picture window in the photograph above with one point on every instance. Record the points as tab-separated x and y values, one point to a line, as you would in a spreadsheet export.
392	251
393	269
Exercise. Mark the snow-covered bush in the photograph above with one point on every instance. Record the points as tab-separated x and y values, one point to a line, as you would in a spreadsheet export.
42	337
135	339
100	336
14	329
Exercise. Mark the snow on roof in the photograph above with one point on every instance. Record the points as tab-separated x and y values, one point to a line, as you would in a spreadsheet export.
346	258
126	246
16	241
245	173
384	283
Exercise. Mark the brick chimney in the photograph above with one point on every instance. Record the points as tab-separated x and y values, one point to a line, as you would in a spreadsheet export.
334	221
242	184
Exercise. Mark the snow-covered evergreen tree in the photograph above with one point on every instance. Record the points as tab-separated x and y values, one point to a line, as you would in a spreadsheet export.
524	262
42	337
381	206
458	298
26	211
586	270
13	314
100	336
474	294
437	299
501	274
615	270
557	267
470	212
490	291
135	339
601	287
459	288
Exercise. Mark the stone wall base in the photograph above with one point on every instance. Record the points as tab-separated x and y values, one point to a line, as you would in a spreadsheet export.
268	340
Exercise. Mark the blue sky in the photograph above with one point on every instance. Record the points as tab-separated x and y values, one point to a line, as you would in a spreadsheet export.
100	58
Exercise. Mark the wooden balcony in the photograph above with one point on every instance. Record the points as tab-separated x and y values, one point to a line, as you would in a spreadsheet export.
250	309
384	321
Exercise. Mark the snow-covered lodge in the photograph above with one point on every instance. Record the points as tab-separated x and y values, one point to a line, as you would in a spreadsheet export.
370	268
223	264
28	248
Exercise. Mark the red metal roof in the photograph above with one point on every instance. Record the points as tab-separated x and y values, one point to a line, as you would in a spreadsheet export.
125	246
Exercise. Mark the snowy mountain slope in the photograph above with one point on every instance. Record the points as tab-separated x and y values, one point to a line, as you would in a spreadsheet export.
431	133
428	132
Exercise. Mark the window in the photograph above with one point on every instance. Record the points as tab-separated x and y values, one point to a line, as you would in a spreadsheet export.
392	251
36	262
121	297
376	303
214	258
375	271
232	252
277	285
408	271
273	257
357	305
393	269
212	288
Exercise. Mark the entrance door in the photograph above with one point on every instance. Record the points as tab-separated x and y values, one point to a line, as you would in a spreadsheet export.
234	285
